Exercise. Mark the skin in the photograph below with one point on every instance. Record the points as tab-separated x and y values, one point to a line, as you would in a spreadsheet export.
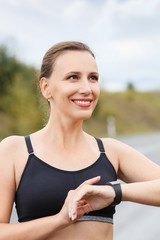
75	76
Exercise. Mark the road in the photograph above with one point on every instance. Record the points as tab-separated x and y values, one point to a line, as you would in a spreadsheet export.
135	221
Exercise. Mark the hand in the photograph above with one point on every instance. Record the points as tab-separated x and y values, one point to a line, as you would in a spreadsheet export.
66	211
88	197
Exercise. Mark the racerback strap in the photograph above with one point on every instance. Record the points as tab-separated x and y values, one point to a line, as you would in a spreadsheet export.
100	145
29	144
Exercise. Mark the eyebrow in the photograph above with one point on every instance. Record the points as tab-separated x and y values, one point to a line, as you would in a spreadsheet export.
79	73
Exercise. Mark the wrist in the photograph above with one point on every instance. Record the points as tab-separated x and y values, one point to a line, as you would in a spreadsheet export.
124	192
118	192
62	221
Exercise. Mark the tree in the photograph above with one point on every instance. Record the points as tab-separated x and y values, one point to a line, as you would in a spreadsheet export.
130	86
20	108
8	68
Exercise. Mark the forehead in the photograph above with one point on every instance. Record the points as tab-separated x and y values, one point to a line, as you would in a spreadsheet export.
75	60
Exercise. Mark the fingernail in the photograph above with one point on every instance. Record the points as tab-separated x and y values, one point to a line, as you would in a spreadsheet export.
73	217
72	212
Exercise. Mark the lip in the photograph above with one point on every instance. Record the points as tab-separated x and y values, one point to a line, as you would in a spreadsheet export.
78	102
82	99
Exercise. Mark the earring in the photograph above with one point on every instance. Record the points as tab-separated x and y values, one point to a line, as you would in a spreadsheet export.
48	99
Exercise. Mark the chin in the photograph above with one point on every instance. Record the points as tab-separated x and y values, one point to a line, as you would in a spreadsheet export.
84	116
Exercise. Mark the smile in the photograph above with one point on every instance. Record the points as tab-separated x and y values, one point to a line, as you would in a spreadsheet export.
82	103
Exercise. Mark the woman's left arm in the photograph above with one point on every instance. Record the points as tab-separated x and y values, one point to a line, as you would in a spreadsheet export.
133	166
141	174
142	192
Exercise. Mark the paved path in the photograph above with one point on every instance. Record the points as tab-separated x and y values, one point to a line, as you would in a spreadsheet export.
135	221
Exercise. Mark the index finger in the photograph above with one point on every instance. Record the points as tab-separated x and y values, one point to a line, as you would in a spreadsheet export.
90	181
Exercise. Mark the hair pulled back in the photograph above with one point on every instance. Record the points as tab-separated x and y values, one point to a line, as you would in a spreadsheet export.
55	51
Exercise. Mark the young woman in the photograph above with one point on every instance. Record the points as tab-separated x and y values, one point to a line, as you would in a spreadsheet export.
57	176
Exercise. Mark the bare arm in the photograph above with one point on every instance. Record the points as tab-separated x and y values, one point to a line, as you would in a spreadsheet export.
37	229
141	174
142	192
133	165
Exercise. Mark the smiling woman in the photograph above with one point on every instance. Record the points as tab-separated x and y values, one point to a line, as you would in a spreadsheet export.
73	80
63	180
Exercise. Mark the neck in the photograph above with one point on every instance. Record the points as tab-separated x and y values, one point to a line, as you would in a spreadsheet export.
65	132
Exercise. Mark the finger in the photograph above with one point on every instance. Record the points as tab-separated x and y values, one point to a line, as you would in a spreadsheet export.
91	181
79	198
79	194
81	210
70	197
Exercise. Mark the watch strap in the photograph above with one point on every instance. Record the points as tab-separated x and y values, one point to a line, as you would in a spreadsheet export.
118	191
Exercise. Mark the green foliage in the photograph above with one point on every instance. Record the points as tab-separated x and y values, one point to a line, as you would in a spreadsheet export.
20	111
8	68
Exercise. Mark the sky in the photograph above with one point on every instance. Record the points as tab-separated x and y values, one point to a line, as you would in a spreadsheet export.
123	34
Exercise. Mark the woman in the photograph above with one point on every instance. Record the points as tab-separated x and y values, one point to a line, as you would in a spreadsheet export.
57	176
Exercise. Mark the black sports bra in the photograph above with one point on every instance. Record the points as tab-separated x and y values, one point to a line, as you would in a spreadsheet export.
42	189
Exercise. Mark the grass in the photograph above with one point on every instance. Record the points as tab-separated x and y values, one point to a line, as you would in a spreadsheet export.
134	112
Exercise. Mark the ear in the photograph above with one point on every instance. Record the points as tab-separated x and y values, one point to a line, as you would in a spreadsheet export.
45	88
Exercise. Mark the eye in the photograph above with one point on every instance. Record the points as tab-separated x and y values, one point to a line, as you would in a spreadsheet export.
94	78
73	77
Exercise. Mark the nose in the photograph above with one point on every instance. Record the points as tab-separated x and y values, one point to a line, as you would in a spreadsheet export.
85	87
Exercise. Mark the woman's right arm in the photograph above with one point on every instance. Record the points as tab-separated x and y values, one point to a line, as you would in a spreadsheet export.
38	229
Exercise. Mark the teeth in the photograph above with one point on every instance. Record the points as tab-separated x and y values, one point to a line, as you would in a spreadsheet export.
82	102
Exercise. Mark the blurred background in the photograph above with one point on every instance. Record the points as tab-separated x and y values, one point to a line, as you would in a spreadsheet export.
125	37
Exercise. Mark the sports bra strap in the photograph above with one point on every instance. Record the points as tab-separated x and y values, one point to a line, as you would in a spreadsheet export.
29	144
30	148
100	145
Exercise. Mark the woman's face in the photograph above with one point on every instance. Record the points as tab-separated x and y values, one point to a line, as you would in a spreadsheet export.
74	85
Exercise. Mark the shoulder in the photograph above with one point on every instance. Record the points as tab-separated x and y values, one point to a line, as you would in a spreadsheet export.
11	142
11	146
115	144
117	148
111	142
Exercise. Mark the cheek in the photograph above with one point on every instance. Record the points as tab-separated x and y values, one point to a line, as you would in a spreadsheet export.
62	93
96	91
70	89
